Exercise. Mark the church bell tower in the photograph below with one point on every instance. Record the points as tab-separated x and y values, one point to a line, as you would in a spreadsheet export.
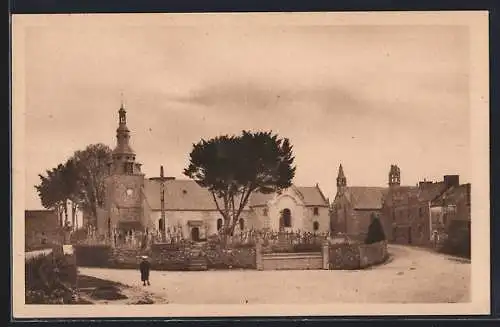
124	183
394	176
123	157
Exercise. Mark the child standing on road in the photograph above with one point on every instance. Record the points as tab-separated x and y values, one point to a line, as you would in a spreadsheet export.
144	267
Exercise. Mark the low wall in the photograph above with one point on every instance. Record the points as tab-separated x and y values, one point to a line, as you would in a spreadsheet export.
167	257
372	254
292	261
236	258
170	257
357	256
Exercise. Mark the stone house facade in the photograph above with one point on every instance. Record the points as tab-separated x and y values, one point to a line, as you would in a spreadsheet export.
451	213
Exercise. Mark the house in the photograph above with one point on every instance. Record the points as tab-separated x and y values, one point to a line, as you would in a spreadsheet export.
134	202
407	210
451	217
41	229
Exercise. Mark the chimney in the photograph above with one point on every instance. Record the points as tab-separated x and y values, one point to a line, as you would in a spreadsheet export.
451	180
468	193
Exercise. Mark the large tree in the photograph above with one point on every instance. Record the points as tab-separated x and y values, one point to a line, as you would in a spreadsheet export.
234	167
78	183
92	166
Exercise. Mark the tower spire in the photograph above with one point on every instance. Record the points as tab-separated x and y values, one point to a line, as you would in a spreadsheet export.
341	179
123	156
121	100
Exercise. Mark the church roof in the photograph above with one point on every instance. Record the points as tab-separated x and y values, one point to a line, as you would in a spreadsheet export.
188	195
179	195
366	197
310	195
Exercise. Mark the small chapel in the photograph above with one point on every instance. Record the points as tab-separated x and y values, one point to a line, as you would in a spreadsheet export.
134	202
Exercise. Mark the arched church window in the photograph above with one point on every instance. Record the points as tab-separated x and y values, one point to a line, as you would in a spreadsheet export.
161	226
219	224
242	224
265	212
316	211
287	218
315	226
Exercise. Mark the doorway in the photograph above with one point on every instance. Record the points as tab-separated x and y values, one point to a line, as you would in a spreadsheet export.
195	234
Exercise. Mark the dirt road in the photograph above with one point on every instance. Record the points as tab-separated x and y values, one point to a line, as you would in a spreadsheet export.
411	276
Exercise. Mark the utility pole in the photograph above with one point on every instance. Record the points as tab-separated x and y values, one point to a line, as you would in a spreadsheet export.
162	199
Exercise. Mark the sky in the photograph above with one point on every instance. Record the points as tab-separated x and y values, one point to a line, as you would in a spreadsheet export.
363	96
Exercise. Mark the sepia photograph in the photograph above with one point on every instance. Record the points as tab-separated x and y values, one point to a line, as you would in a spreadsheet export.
171	165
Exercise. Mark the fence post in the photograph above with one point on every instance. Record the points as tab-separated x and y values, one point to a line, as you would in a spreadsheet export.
258	255
325	253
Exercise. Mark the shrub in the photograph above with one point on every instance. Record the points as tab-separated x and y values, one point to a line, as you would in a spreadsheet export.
457	241
92	255
375	231
50	279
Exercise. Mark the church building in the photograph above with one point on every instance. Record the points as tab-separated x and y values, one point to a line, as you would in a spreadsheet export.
134	202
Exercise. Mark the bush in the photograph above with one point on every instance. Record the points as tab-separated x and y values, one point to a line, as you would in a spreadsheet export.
50	279
375	231
457	241
92	255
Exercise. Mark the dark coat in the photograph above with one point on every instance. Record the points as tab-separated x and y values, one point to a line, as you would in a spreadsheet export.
144	267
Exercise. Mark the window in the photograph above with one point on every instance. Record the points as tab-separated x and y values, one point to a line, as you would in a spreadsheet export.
287	218
316	211
264	212
219	224
161	226
242	224
315	226
129	167
420	212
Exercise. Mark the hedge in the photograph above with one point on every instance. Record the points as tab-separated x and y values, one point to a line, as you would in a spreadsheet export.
50	279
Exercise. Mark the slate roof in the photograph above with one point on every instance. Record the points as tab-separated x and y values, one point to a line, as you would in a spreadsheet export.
311	196
188	195
366	197
453	195
179	195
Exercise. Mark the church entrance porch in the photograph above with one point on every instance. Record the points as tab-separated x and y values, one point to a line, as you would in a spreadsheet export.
195	234
196	230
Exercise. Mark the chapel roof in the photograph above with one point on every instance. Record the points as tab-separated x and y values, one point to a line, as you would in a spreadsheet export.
185	194
366	197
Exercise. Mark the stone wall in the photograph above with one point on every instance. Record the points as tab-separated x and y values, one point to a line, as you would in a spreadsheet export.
292	261
236	258
344	256
372	254
357	256
170	257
